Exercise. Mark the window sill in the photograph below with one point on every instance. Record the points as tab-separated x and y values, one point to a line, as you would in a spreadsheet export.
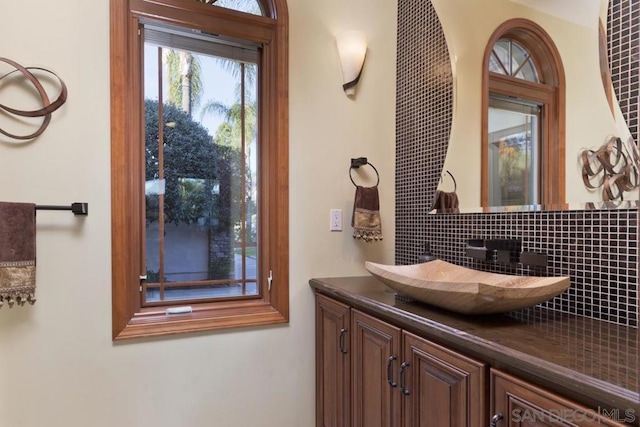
155	324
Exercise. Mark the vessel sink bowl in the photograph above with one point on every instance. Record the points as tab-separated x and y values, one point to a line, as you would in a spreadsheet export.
465	290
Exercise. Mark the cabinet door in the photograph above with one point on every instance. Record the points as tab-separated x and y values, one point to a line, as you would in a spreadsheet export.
333	398
440	387
520	404
374	358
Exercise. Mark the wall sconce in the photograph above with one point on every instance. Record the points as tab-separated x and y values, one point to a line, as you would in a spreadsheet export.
352	49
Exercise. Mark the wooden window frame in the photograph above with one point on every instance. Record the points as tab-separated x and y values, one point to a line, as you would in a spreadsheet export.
129	320
550	93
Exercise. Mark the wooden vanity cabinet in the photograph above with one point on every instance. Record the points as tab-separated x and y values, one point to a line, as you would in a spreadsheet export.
395	378
371	373
333	363
441	387
374	365
516	403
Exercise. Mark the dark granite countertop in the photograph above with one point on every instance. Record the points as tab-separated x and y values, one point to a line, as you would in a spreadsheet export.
590	361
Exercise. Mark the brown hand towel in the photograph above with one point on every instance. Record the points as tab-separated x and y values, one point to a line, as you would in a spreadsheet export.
446	202
366	214
17	253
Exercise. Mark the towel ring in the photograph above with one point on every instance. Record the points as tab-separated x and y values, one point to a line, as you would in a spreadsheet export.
361	161
455	184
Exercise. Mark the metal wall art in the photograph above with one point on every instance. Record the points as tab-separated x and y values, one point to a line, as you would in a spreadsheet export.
614	166
48	107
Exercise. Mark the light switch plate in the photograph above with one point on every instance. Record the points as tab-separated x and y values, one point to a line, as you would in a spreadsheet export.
335	220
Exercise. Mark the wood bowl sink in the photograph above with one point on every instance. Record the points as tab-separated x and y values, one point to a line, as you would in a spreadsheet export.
465	290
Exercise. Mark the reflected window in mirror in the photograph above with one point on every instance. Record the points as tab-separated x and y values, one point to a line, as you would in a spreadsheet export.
509	58
523	141
514	152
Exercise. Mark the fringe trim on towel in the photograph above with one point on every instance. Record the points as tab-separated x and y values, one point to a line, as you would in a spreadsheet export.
17	283
368	225
367	236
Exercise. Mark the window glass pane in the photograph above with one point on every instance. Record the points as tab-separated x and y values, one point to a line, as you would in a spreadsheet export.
518	57
495	65
510	58
528	72
513	170
523	66
200	175
501	52
248	6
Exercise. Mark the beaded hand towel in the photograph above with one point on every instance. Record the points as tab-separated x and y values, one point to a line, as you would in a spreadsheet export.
366	214
17	253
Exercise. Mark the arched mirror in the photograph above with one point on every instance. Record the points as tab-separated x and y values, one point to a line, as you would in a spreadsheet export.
556	45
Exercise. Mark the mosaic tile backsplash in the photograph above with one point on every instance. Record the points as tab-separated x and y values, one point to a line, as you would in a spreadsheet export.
597	249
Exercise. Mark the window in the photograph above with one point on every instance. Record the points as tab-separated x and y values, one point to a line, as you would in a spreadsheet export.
522	118
514	151
199	165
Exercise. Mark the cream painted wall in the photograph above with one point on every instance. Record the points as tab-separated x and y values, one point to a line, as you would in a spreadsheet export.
468	26
59	366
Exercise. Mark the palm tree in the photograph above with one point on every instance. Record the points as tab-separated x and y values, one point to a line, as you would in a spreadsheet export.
185	79
229	132
232	114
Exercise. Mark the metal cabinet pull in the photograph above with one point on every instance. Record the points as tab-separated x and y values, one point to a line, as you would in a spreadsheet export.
495	419
403	389
389	373
343	331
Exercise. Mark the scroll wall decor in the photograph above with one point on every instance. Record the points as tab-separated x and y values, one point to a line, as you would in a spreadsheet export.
614	167
48	107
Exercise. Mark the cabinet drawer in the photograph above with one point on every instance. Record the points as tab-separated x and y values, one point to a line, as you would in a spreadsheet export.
522	404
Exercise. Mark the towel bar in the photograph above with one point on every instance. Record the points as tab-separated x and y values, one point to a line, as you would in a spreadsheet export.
76	208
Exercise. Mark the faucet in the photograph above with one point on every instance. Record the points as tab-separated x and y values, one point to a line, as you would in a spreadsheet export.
500	250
